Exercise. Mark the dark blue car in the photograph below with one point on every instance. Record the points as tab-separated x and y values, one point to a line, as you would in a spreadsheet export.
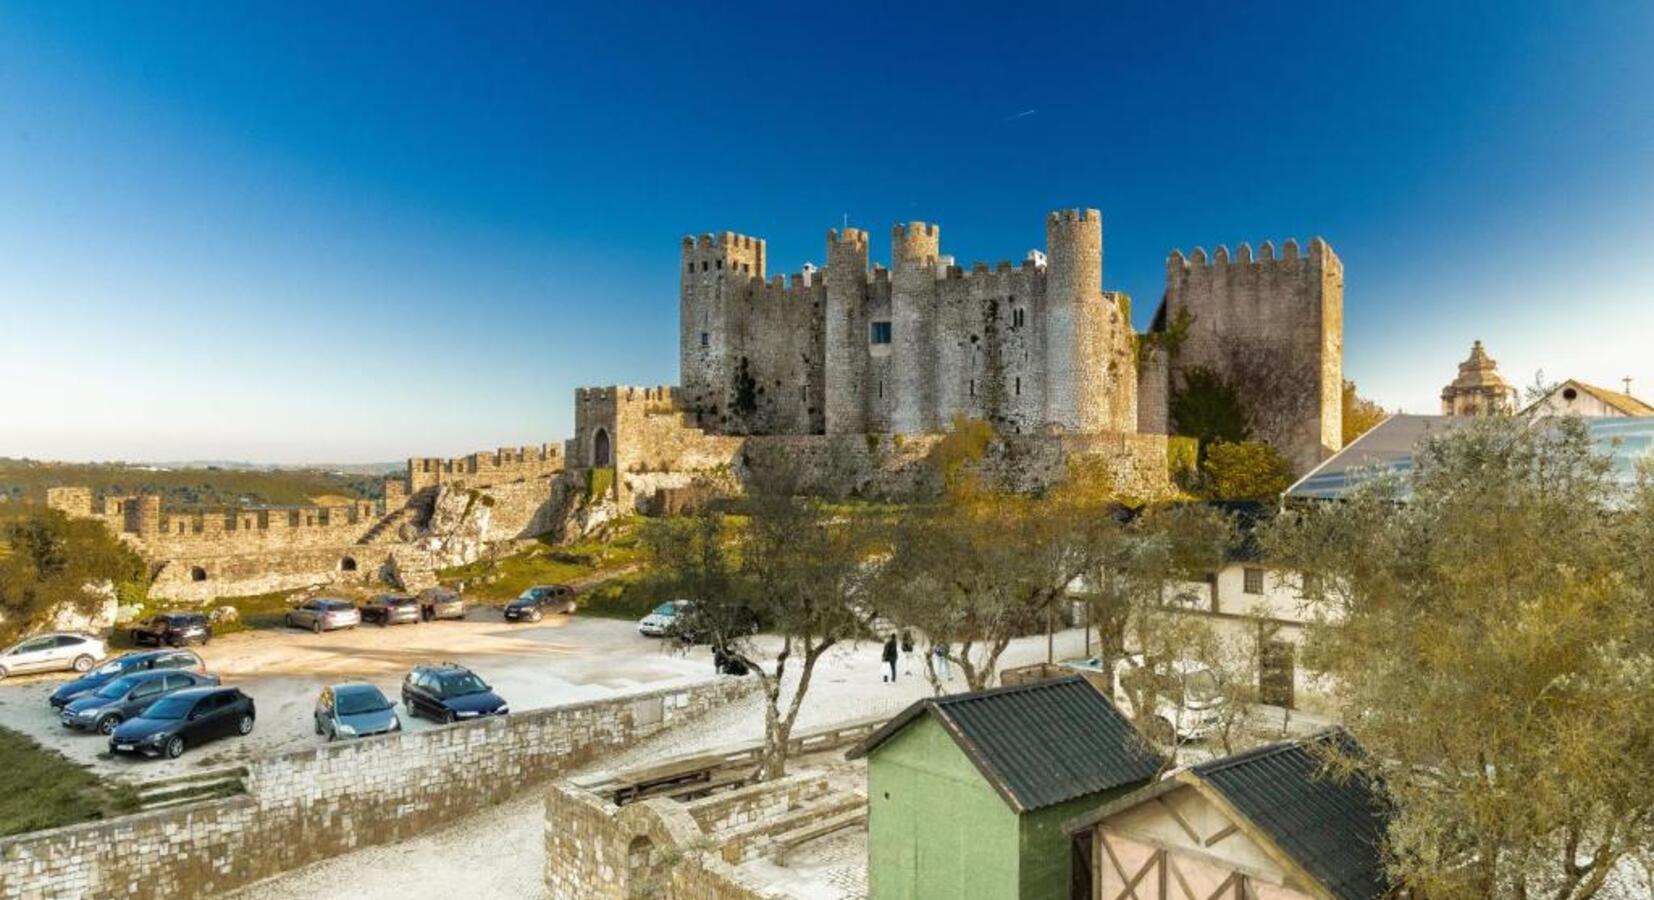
126	697
449	693
142	661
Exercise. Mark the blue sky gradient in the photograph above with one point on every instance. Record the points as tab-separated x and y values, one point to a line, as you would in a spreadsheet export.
290	232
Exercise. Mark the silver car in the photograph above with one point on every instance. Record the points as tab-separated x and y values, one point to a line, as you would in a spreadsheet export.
321	614
51	653
356	709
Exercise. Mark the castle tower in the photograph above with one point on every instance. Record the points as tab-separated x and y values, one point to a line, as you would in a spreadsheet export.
1271	326
914	249
1078	324
718	270
846	331
1479	389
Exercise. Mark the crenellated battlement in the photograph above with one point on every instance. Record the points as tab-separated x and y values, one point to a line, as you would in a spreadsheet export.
848	236
1319	256
1066	217
902	231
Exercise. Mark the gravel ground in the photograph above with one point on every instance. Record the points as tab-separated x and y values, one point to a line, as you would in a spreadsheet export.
557	661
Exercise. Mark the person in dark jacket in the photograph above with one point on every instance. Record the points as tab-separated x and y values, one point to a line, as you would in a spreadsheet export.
907	652
890	658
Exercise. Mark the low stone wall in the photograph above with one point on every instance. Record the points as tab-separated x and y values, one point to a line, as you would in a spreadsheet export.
308	806
246	574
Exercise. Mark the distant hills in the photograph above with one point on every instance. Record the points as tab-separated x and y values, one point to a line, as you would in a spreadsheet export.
197	484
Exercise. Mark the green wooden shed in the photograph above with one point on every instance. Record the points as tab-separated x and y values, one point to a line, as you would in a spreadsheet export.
967	794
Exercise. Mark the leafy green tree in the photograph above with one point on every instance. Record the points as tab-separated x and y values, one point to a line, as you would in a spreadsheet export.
1360	414
1250	470
1206	407
1490	625
50	562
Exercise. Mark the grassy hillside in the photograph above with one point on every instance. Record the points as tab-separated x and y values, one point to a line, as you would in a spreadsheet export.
40	788
182	488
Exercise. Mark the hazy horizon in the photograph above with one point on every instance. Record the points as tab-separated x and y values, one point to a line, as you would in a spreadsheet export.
230	234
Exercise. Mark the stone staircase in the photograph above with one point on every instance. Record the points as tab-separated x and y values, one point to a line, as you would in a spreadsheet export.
196	786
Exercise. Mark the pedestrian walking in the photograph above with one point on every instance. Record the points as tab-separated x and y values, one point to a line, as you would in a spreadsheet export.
907	652
890	658
940	651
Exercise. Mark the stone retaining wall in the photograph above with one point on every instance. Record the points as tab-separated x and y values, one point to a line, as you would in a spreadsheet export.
308	806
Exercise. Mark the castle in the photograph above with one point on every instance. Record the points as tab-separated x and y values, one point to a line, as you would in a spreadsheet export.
847	376
1034	348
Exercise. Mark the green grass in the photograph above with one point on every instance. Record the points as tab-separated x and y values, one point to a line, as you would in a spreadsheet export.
548	563
260	611
40	788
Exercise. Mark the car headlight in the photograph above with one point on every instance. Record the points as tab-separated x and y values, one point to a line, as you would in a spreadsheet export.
342	728
155	738
502	710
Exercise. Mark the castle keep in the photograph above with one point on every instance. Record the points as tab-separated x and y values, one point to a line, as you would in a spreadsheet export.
1037	347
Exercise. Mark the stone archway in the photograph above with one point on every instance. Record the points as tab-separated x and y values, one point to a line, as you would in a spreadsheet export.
602	452
646	872
197	573
348	564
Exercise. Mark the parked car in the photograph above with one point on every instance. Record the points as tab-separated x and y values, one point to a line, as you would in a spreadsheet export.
532	605
173	629
390	609
449	693
51	653
1189	700
663	620
127	697
355	709
183	719
321	614
441	603
126	664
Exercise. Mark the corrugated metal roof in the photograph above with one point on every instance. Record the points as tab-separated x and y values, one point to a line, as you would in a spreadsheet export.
1332	827
1038	744
1388	449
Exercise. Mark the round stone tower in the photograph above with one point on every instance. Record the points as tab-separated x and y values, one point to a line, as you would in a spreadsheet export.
1078	323
914	249
845	366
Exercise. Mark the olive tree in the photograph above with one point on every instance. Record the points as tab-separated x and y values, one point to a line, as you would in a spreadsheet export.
1490	625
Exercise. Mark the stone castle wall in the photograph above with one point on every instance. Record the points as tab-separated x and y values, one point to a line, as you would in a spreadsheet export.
476	469
850	350
1273	327
308	806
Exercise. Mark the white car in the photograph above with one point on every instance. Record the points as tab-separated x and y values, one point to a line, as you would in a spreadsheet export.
663	619
1189	704
54	652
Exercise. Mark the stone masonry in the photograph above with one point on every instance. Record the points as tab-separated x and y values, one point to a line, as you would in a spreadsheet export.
307	806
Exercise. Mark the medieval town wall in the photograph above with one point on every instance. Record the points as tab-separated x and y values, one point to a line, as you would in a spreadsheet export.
315	804
475	469
1273	327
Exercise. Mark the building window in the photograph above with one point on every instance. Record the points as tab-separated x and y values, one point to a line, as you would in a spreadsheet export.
1253	583
880	333
973	387
691	267
706	340
881	388
1017	318
704	265
1019	385
720	264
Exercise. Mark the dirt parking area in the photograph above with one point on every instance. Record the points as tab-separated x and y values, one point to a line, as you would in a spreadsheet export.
553	662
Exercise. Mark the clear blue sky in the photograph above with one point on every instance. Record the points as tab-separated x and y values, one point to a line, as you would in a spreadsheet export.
353	232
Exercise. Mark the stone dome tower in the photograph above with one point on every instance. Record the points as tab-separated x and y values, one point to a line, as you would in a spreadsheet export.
1479	390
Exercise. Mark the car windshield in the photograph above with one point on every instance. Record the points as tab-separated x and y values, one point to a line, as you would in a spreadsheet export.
111	667
461	683
365	700
1202	686
174	707
667	609
117	688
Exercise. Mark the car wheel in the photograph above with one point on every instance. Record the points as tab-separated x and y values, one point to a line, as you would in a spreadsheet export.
245	726
448	718
108	724
175	747
288	621
536	616
83	664
316	626
3	673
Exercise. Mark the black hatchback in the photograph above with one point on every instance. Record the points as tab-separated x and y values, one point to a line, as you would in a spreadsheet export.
173	629
185	719
449	693
531	605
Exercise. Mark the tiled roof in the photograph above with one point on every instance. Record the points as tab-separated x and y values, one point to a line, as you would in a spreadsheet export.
1038	744
1619	400
1332	827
